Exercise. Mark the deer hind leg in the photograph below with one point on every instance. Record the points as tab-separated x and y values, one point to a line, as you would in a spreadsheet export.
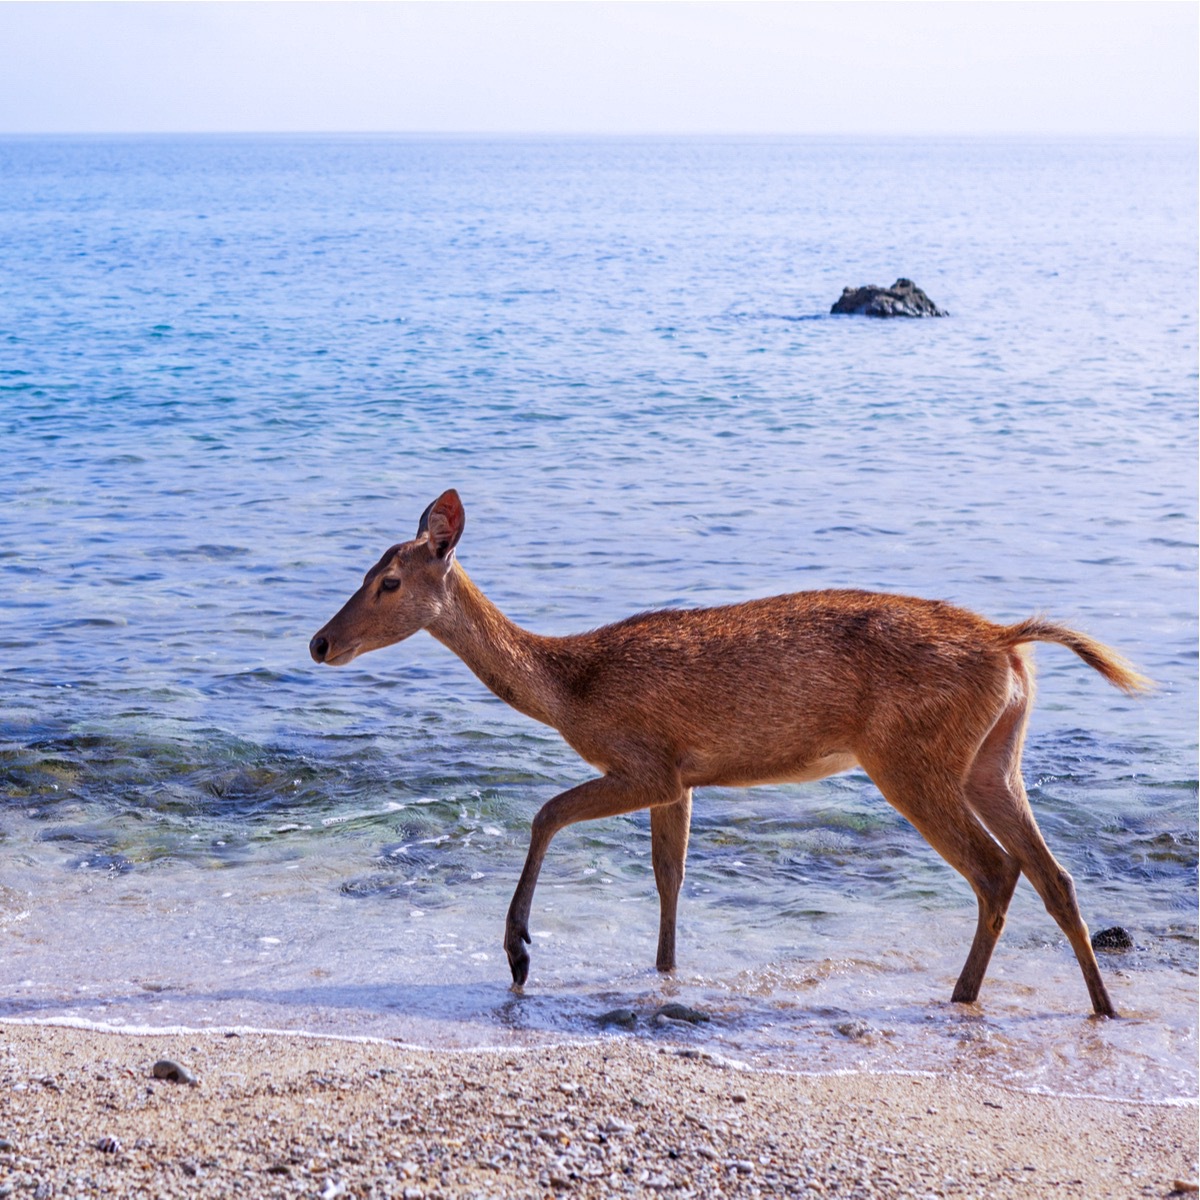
996	793
608	796
932	799
669	826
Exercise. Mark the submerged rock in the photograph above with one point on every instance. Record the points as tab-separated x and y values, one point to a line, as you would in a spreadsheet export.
625	1017
1114	938
902	299
681	1012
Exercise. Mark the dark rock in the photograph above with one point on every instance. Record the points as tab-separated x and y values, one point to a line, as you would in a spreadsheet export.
902	299
1115	938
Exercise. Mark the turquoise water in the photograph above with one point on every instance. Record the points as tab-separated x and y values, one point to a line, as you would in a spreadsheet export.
233	371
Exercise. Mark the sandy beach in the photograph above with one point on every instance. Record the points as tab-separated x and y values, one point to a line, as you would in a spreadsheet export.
82	1114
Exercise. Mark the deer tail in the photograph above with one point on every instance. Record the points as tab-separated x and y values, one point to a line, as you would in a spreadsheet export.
1119	671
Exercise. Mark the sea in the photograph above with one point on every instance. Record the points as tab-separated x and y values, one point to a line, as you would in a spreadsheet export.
234	370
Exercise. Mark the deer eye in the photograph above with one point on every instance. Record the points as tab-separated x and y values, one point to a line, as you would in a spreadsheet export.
389	585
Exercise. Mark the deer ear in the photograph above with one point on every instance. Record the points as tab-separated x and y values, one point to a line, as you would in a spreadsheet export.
443	521
423	523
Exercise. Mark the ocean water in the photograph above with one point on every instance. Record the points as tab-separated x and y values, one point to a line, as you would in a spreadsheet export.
233	371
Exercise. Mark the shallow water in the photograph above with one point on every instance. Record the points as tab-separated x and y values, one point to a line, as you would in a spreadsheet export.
234	371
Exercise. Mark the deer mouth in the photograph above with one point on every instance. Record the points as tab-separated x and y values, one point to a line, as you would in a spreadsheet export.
319	648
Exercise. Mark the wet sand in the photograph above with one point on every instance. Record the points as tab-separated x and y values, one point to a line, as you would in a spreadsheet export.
277	1115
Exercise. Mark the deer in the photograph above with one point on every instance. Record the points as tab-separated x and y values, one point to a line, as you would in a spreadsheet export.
930	700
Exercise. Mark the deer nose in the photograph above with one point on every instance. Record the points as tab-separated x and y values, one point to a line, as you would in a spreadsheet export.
318	648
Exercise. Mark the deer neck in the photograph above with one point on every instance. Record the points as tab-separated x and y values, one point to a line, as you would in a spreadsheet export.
511	661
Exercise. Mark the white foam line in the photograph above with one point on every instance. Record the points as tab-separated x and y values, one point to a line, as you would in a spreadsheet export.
695	1053
200	1031
363	1039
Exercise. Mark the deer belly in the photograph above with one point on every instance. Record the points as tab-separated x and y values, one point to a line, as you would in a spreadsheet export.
746	773
819	768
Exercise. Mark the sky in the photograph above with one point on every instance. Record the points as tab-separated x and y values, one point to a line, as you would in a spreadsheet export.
601	68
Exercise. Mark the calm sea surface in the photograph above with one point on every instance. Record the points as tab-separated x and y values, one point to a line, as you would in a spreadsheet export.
233	371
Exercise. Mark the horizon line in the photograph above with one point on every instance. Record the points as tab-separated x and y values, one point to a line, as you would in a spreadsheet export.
1193	135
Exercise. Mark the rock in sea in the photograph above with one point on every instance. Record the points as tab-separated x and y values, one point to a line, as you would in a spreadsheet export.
902	299
1115	938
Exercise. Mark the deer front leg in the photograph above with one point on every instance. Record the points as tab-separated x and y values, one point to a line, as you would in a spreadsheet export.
609	796
669	826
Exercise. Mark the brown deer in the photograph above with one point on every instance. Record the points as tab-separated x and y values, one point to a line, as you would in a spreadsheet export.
930	700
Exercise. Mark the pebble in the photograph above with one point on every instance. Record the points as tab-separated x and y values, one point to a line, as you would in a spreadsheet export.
715	1060
681	1012
625	1017
856	1030
175	1072
108	1145
660	1020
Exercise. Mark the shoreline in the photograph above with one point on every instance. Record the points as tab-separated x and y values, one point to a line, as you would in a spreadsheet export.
290	1114
568	1043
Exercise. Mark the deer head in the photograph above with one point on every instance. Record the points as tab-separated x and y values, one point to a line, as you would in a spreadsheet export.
403	592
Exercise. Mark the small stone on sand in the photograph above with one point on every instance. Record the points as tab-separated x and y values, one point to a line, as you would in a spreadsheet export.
175	1072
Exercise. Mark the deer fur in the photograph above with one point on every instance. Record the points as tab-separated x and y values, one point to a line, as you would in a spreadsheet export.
930	700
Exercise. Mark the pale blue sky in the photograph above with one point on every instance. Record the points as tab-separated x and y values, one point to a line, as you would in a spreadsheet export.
875	68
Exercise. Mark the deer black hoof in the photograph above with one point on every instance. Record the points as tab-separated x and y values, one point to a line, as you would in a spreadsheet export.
515	941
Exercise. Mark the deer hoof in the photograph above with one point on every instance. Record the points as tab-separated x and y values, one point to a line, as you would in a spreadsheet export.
515	941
